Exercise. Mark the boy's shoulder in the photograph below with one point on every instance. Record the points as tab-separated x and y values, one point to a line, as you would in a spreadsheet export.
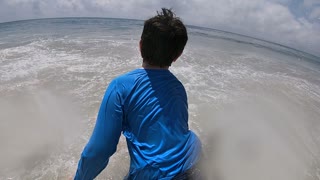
127	78
145	74
129	75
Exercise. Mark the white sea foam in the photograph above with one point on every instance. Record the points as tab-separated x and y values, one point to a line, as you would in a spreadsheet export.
256	110
34	126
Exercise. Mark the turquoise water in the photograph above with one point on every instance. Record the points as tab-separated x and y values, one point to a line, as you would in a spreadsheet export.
254	104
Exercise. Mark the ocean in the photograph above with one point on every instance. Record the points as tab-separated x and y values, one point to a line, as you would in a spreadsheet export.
254	104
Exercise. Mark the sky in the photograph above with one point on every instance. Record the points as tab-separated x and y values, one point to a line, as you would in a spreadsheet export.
294	23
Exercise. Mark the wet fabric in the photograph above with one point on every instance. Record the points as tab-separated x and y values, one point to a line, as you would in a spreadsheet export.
149	106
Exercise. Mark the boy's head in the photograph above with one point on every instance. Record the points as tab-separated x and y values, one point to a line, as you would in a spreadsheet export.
163	39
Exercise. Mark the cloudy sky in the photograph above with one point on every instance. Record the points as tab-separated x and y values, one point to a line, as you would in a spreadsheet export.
295	23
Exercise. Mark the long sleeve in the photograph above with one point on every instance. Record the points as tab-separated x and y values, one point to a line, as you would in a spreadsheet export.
105	136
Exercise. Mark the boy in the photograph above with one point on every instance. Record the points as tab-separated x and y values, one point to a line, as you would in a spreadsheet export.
149	106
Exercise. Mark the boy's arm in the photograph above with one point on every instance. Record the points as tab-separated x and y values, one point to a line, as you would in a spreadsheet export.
105	136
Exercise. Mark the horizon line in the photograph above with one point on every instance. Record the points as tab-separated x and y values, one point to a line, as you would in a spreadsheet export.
192	26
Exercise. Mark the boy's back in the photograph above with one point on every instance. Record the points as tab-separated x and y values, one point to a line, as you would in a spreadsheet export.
156	124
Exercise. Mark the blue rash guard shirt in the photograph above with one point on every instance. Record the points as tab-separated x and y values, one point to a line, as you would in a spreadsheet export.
149	106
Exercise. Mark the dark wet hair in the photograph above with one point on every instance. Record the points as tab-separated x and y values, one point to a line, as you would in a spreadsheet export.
163	38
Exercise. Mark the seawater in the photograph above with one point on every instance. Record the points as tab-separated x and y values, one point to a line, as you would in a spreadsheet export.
254	104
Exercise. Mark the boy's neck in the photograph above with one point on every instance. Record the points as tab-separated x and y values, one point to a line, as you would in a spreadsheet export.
145	65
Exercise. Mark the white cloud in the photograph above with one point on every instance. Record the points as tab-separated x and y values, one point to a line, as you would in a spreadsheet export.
310	3
315	13
268	19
